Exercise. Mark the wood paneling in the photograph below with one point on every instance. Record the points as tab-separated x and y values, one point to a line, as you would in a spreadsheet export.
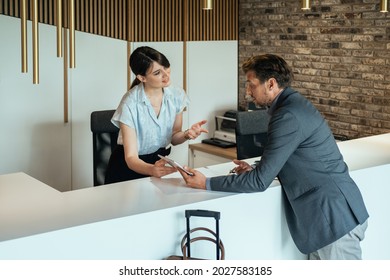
141	20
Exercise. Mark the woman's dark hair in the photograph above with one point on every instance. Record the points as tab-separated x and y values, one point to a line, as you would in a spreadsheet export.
269	66
142	59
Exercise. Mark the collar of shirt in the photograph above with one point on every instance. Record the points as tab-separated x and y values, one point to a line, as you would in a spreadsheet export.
271	108
142	97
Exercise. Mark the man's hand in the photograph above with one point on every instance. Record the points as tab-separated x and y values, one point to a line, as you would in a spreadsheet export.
197	181
241	167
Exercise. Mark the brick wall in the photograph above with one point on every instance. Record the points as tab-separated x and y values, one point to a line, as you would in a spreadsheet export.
339	52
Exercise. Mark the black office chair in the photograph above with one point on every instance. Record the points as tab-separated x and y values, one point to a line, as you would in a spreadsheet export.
251	133
105	136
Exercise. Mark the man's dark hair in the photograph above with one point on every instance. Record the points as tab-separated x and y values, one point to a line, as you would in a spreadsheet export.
268	66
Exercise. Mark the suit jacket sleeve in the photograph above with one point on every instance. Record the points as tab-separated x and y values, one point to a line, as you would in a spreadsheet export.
284	136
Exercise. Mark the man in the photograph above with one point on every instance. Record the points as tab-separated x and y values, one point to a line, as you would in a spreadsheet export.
324	208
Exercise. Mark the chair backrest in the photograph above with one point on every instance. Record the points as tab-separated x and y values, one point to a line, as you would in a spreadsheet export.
104	140
251	133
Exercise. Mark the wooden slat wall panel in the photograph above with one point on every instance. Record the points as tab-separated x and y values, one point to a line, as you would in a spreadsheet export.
220	23
142	20
155	20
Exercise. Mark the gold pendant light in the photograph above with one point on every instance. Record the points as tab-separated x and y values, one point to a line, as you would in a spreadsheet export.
35	42
384	7
207	4
305	5
24	35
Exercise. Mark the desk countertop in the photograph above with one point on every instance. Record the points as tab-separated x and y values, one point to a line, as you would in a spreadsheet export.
29	207
37	207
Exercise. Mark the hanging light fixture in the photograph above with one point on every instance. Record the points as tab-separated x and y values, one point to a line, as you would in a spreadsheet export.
71	20
207	4
384	8
305	5
35	42
23	17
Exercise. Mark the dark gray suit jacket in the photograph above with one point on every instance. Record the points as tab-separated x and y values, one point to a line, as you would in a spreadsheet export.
322	202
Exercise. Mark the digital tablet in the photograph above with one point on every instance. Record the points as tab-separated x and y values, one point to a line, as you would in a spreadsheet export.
173	163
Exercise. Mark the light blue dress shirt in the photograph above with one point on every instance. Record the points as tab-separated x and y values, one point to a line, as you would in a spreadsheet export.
136	111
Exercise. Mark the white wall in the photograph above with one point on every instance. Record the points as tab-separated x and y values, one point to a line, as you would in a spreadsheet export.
38	142
212	80
34	138
97	83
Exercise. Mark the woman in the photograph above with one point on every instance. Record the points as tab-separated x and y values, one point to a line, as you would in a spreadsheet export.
150	117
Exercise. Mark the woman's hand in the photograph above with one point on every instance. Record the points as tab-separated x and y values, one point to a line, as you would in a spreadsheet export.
159	169
195	130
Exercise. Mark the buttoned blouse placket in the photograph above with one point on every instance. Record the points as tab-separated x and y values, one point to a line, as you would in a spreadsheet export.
152	113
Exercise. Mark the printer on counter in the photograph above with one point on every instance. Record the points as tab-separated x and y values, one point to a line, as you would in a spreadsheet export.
225	130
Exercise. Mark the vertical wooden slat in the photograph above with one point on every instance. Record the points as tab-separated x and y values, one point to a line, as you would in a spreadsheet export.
235	15
217	18
229	24
94	16
81	15
91	5
103	17
50	13
130	21
40	13
147	21
108	17
154	20
125	20
142	20
11	7
46	11
99	18
120	22
85	16
5	8
164	32
116	18
17	9
112	32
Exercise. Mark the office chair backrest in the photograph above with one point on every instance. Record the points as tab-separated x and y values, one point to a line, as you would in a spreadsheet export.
251	133
104	139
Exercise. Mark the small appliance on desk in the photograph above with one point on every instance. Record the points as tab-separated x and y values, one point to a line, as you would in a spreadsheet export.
225	131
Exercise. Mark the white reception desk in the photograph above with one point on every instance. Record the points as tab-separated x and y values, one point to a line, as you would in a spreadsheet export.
144	219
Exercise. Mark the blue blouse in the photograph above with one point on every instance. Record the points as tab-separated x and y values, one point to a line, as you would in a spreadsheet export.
136	111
